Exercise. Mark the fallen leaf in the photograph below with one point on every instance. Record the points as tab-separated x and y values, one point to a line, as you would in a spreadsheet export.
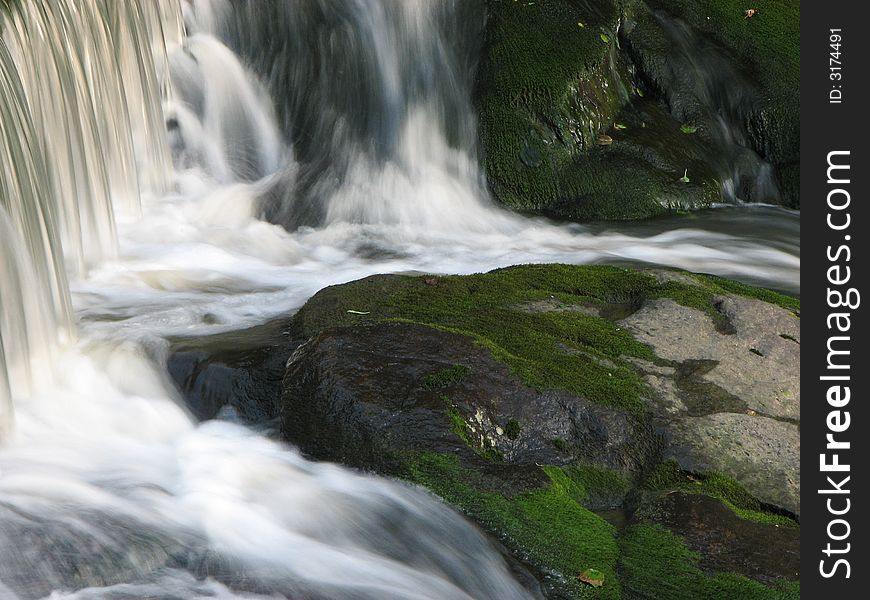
750	12
604	140
619	126
593	577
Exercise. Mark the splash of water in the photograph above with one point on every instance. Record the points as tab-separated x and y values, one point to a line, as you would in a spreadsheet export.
97	127
373	100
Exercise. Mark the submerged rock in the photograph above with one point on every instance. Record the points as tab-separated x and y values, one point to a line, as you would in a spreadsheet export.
235	375
532	397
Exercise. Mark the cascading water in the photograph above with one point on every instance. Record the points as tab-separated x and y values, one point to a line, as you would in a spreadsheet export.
107	487
348	122
705	86
375	99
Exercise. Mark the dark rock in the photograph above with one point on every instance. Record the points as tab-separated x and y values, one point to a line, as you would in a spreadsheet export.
240	369
726	543
358	395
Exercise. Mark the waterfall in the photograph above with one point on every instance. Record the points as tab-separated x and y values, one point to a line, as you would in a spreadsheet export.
90	83
80	134
108	488
375	98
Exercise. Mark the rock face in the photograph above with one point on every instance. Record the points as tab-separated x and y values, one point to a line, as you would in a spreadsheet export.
702	546
767	53
696	103
732	403
555	404
420	389
724	541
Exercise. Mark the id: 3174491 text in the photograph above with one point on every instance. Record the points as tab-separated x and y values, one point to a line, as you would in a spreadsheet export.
835	66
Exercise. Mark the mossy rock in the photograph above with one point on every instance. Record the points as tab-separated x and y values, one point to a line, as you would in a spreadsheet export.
514	396
704	536
559	337
551	80
656	563
766	49
557	75
547	527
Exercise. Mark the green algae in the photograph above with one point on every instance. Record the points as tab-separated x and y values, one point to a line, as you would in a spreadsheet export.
669	476
655	563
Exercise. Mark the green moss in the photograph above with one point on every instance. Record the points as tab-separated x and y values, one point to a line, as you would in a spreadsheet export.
552	78
547	525
460	426
590	485
669	476
512	429
445	377
768	43
702	296
594	187
655	563
547	88
560	444
533	318
550	528
729	286
767	47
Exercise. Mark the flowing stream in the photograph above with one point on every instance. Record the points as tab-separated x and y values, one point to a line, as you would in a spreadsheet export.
180	168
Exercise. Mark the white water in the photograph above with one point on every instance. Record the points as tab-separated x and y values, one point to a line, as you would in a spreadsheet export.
106	481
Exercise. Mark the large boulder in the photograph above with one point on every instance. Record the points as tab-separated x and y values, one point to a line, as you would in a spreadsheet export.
628	109
553	405
422	389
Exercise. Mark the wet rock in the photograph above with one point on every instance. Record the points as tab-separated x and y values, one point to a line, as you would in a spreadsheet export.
725	542
640	91
364	396
530	396
764	50
552	80
239	370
